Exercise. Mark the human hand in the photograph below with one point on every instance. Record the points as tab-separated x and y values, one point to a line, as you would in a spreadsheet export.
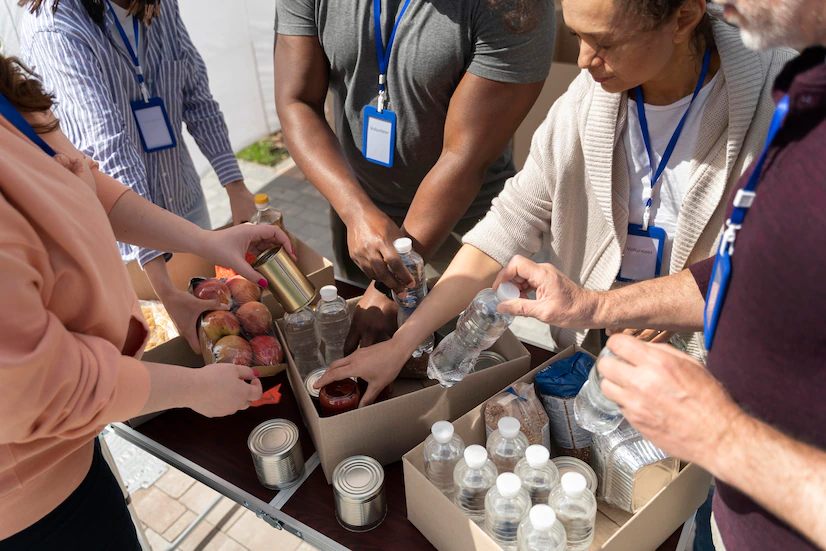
559	301
241	202
669	397
647	335
227	247
379	365
222	389
185	310
374	320
370	241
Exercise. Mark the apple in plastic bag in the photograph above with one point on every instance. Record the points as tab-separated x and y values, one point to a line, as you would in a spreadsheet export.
255	318
214	289
266	350
219	324
233	349
243	290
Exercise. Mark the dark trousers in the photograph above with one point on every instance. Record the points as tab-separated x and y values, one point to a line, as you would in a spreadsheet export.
93	518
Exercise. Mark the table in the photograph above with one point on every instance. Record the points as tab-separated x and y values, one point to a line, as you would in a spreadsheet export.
211	451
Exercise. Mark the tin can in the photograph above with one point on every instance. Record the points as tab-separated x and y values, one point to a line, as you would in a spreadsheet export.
276	453
289	286
312	379
488	359
358	486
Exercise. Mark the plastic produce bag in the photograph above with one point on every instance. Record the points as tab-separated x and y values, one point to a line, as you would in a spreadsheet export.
520	401
557	386
161	326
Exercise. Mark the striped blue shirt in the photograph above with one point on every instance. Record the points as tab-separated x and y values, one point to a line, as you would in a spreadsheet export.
93	79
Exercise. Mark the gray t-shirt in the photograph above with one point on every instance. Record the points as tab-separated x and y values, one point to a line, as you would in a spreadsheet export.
437	41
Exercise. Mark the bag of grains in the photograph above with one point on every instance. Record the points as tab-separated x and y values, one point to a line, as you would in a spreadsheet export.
520	401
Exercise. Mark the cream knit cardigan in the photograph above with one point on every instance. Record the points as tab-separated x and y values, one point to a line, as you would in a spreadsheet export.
572	194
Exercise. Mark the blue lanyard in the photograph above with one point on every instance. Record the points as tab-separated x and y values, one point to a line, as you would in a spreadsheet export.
132	53
382	53
13	116
656	173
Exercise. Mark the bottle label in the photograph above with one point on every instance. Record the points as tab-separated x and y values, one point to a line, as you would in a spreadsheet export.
567	433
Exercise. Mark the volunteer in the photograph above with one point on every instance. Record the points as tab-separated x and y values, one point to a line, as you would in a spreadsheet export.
585	186
72	332
126	76
755	417
445	85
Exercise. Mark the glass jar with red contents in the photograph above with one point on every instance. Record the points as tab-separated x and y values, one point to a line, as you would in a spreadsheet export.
383	395
338	397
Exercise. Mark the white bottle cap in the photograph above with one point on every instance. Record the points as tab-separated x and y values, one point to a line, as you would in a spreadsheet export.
573	484
476	456
442	431
542	517
329	293
403	245
507	291
508	484
537	456
508	427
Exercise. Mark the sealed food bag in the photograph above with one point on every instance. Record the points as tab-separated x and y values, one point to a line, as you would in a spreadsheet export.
520	401
558	386
161	326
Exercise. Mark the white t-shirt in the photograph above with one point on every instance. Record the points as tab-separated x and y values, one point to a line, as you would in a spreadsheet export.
667	197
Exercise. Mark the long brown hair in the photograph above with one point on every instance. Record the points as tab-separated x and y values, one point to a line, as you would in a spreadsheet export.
142	10
23	89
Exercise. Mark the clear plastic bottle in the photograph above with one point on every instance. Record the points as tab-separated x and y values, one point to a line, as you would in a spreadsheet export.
538	473
332	323
266	215
576	508
593	411
507	445
475	474
506	506
541	531
303	341
413	297
477	329
442	451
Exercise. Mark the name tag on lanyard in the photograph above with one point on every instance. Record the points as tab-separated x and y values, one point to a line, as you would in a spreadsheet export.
642	257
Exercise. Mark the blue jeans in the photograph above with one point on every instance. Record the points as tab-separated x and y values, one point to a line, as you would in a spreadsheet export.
199	214
702	530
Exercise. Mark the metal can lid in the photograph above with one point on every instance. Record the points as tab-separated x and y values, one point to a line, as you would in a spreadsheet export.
488	359
567	464
312	379
263	257
358	478
273	439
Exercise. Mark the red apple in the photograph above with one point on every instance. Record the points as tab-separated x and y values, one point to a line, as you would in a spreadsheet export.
233	350
212	289
266	350
243	290
219	324
255	318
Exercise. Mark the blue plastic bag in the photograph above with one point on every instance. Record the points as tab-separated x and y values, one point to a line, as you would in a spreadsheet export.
565	377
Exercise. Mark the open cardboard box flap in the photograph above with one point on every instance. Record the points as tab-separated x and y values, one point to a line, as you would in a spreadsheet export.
448	529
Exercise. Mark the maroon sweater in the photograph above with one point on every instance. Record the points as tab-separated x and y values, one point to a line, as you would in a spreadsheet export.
770	346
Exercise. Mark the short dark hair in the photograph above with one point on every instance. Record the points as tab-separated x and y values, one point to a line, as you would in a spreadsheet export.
656	13
520	16
23	90
142	10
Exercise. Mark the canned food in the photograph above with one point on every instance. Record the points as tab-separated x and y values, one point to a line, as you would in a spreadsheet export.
358	486
312	379
289	286
276	453
567	464
488	359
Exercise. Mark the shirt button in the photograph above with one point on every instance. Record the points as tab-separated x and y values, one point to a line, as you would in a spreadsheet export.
806	100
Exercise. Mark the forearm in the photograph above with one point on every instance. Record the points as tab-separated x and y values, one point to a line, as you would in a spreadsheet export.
785	476
158	277
172	386
469	272
671	303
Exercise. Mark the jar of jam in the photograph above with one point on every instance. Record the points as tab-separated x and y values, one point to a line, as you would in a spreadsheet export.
383	395
339	397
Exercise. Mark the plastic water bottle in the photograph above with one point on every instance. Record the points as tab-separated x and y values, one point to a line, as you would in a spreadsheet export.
442	451
302	341
332	323
475	474
266	215
538	473
477	329
507	445
413	297
576	508
593	411
506	506
541	531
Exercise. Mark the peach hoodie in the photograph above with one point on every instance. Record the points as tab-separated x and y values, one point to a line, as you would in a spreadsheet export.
67	311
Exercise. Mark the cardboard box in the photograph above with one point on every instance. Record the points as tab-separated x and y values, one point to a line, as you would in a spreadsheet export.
387	430
448	529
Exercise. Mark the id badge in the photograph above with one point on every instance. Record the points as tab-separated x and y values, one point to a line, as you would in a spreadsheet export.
720	276
153	125
642	257
379	136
